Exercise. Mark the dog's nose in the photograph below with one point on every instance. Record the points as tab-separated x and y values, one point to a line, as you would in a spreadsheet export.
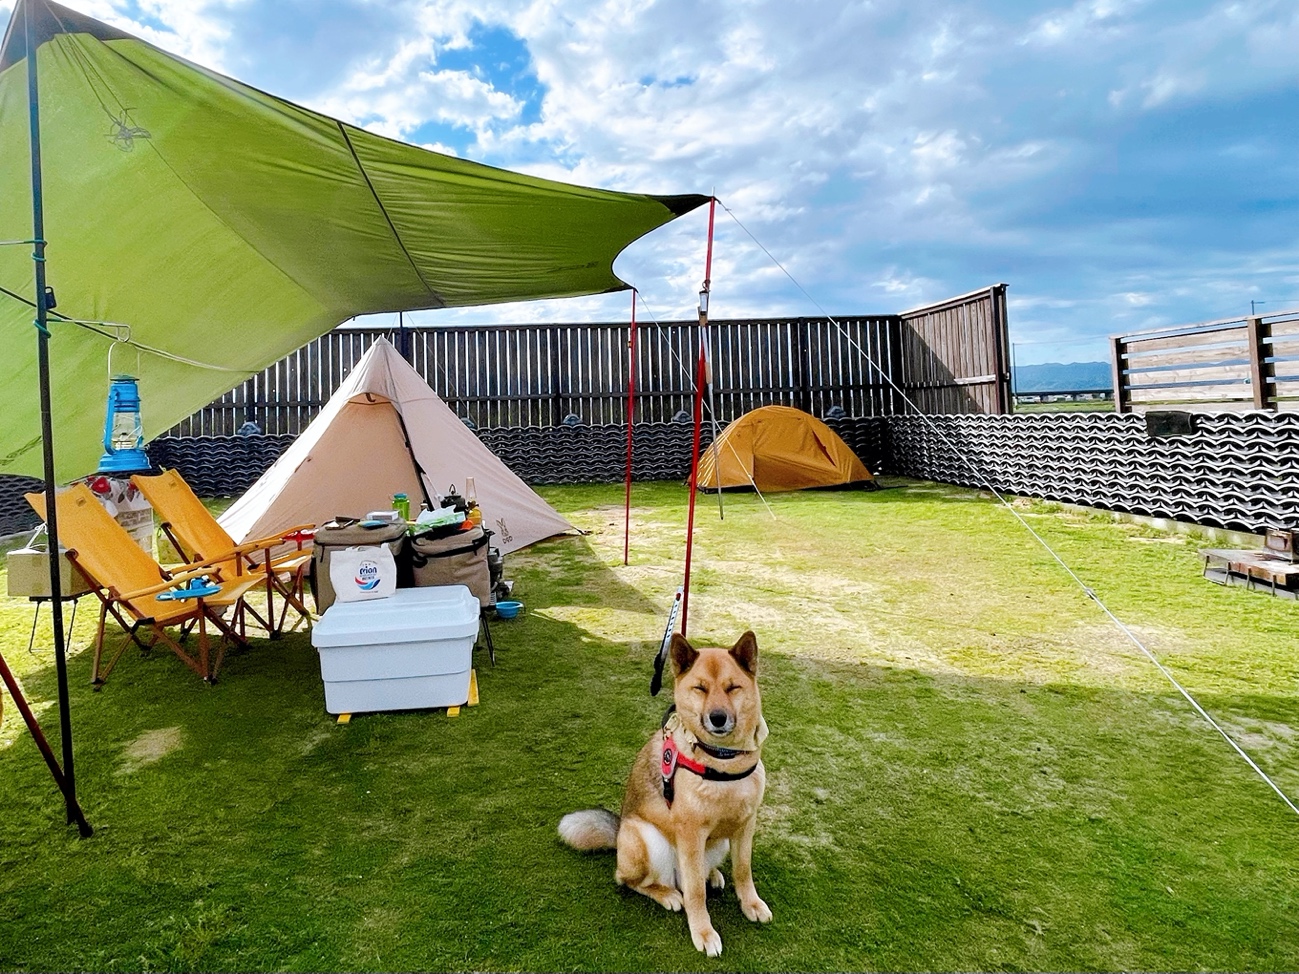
718	720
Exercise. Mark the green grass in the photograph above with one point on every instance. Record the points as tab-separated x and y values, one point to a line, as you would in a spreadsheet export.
969	767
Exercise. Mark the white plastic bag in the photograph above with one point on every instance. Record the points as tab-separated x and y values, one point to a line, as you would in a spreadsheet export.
362	573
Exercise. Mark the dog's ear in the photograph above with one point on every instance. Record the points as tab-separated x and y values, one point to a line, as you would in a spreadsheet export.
746	653
683	654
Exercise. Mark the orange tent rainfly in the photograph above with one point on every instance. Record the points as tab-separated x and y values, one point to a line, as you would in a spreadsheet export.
780	448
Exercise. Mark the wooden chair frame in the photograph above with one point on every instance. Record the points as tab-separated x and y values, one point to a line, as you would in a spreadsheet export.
197	535
111	558
205	664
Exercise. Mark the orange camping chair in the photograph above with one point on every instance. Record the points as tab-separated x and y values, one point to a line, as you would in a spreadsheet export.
127	581
197	535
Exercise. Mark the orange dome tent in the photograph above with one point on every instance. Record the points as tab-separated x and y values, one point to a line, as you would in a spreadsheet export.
780	448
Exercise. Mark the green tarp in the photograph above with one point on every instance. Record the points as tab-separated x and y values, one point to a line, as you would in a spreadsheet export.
227	227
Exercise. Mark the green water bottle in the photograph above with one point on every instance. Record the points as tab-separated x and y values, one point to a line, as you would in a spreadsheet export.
401	504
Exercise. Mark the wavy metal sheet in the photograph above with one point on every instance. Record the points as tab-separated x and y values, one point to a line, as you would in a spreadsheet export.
1237	471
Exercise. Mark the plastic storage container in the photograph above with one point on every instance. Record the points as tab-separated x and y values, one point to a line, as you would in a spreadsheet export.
409	651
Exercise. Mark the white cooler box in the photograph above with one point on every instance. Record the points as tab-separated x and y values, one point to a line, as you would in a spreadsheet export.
409	651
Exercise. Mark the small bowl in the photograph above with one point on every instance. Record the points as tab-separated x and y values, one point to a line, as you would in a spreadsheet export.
508	610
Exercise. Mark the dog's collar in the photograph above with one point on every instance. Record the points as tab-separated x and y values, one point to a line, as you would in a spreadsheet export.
671	758
720	753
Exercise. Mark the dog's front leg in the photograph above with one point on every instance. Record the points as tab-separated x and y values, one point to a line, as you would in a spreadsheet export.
742	872
694	876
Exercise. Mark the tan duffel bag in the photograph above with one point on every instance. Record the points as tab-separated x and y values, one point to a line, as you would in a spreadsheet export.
334	537
460	559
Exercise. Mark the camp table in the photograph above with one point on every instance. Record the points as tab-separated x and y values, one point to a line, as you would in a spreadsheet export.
1250	566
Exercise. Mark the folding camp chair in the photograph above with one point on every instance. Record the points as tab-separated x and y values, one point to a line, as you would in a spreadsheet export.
198	536
127	581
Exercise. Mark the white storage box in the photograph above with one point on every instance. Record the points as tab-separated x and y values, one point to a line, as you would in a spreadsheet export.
409	651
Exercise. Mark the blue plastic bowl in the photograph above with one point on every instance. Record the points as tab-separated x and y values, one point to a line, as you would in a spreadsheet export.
508	610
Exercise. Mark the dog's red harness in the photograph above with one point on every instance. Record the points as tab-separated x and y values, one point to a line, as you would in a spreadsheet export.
671	758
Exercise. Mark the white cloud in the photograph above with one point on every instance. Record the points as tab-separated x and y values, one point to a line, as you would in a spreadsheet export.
397	105
1165	86
195	29
1091	21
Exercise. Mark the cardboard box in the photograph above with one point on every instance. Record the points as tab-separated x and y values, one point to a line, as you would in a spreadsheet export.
29	574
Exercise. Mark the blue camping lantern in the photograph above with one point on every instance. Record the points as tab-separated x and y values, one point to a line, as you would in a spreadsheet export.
123	430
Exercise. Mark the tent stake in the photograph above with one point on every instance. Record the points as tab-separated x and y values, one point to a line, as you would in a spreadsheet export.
66	780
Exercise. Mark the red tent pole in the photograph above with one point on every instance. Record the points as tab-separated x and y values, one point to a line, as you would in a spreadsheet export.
631	410
701	378
694	483
64	783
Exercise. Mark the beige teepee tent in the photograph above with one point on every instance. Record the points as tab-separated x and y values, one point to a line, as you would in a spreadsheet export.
385	431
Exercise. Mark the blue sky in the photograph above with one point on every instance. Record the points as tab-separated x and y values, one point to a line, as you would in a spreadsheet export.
1121	164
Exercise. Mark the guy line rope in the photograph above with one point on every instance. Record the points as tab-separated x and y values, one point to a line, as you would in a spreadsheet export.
712	415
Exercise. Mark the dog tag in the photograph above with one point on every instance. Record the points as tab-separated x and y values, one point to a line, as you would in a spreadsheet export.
669	765
668	769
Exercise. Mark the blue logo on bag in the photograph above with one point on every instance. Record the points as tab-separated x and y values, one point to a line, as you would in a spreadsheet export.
367	576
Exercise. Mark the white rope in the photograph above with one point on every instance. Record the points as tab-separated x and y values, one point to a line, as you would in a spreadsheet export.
717	466
161	353
125	330
979	475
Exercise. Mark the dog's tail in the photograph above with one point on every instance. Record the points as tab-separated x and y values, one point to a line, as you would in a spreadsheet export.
592	829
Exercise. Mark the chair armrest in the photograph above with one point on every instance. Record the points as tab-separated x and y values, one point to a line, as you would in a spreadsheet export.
274	540
208	566
291	561
164	585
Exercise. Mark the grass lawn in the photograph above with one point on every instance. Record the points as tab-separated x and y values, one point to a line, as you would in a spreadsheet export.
969	767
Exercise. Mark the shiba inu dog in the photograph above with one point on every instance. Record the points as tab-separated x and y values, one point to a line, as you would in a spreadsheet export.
693	793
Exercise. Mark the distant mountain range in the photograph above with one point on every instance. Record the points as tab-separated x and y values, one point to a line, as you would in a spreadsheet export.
1063	377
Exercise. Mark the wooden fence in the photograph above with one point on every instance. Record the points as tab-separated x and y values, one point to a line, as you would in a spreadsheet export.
1233	364
955	355
945	358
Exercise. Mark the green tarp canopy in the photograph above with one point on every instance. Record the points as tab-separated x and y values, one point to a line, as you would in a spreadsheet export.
227	227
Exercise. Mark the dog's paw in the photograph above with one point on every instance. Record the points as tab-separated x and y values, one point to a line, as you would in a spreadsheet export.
707	940
716	880
672	901
756	910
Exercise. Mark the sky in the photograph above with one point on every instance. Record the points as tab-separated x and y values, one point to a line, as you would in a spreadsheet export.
1121	164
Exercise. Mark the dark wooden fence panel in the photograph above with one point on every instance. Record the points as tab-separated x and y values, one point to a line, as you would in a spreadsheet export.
955	356
1229	365
525	375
